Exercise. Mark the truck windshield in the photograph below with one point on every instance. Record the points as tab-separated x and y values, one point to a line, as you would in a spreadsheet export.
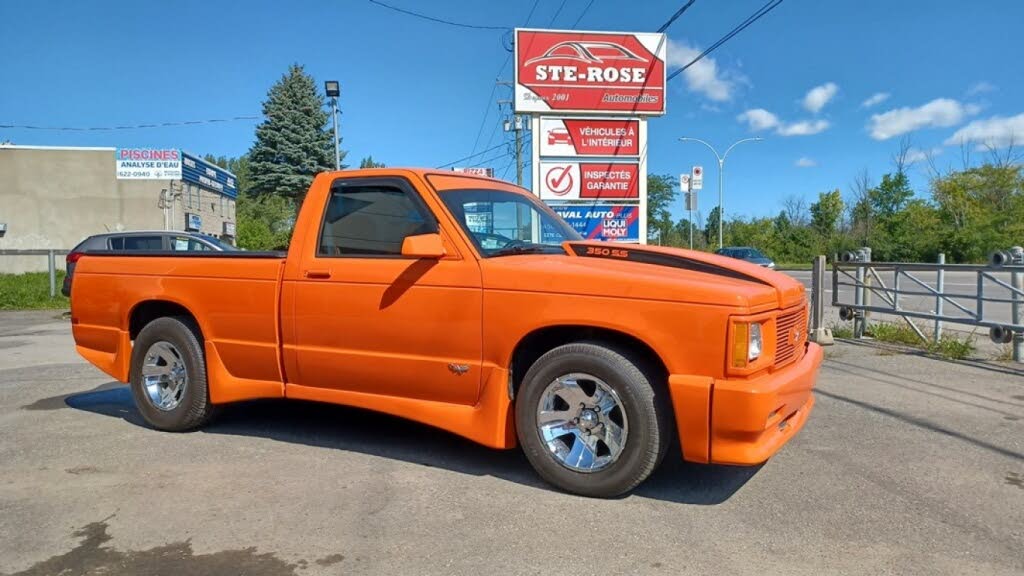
502	223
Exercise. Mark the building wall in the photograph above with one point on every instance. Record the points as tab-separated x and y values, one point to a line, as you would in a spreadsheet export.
212	207
55	197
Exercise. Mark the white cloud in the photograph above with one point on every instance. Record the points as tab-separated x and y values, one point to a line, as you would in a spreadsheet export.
704	77
980	88
759	119
805	162
803	128
915	155
818	96
875	99
938	113
997	132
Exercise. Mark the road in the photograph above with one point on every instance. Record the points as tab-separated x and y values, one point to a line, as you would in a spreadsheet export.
908	465
959	283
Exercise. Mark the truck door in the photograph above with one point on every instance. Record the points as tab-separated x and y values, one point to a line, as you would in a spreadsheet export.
363	318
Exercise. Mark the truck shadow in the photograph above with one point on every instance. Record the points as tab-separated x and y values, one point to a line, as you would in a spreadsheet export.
343	428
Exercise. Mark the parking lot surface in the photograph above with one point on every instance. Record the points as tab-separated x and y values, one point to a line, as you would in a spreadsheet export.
908	465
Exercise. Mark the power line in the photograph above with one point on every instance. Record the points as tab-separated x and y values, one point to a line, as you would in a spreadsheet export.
127	127
587	7
750	20
557	12
676	15
438	20
490	98
453	162
489	160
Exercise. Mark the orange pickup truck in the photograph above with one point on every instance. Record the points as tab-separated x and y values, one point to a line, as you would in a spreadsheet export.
465	303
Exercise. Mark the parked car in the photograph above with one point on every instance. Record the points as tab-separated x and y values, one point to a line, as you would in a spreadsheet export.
141	240
752	255
404	292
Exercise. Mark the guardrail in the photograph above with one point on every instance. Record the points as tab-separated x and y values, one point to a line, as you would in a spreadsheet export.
1001	281
51	259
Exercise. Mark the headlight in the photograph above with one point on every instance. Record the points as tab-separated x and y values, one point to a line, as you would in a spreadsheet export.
747	343
755	346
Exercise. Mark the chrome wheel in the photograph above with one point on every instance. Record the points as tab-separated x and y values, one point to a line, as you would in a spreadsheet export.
582	421
164	376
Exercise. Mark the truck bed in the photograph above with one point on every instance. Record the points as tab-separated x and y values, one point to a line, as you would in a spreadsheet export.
234	297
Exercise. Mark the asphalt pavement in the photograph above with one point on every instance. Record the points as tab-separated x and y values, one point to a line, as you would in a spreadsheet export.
908	465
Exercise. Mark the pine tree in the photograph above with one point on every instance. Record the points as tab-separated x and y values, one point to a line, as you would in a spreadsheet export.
369	162
293	143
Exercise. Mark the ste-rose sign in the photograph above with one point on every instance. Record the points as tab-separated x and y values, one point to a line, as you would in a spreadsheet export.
591	72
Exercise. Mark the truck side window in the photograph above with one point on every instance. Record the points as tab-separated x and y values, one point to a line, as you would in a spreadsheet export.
371	220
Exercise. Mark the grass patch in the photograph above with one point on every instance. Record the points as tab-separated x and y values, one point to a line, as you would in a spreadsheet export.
952	347
949	346
1005	353
30	291
841	331
894	333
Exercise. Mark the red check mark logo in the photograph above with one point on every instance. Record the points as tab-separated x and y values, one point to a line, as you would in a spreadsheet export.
559	180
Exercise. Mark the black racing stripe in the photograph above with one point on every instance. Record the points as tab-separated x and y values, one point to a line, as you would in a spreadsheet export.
658	259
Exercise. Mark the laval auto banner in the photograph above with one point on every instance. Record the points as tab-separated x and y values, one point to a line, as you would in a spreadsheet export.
589	95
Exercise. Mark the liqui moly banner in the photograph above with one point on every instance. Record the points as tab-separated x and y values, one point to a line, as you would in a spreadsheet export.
592	72
589	181
615	223
589	137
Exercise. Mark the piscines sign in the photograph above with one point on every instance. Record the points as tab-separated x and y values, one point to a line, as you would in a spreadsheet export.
147	164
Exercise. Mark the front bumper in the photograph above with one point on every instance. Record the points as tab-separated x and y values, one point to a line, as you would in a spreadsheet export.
744	421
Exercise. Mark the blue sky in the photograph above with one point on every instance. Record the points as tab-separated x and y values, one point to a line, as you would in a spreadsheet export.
418	93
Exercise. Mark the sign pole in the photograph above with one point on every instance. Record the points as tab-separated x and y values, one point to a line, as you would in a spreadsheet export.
690	221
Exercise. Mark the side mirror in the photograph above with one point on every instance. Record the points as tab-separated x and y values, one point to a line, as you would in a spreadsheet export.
423	246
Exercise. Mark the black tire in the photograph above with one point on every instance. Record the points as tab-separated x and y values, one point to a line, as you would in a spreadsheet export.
194	408
641	396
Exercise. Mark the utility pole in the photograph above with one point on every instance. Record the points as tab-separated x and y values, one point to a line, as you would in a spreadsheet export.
721	175
516	125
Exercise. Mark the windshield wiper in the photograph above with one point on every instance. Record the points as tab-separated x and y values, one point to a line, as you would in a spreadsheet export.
515	250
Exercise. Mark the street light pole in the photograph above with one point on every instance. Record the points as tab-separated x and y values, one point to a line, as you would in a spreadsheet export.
337	151
721	174
333	89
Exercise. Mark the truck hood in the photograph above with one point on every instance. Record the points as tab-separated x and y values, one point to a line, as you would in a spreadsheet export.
646	272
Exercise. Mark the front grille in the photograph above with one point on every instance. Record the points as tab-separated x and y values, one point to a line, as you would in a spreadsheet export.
787	344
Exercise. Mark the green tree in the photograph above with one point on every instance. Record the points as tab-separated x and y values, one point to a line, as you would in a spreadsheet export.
264	222
368	162
681	234
891	195
825	213
711	228
981	209
661	192
292	144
